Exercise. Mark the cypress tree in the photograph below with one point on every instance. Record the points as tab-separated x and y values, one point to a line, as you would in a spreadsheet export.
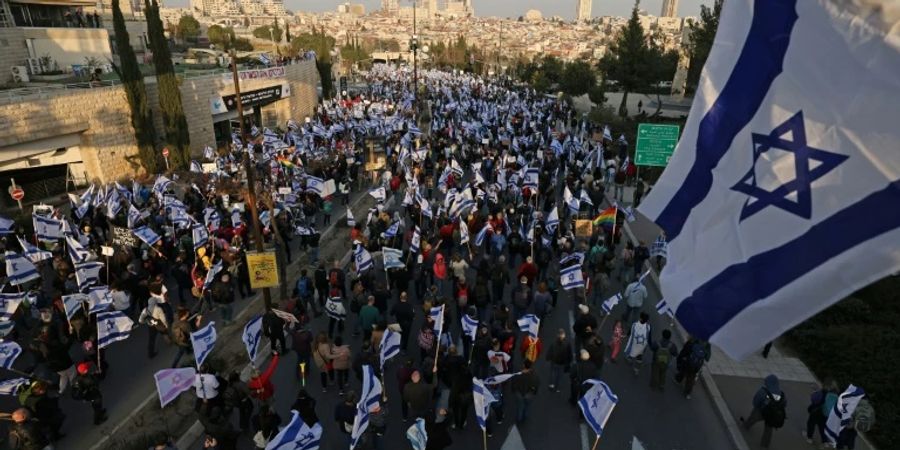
130	74
174	122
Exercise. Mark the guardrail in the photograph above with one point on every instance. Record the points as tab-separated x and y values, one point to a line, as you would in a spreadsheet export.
24	92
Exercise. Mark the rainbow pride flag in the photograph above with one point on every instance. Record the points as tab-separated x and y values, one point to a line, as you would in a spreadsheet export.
606	218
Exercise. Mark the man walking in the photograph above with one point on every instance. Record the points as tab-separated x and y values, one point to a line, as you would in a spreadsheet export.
525	387
769	406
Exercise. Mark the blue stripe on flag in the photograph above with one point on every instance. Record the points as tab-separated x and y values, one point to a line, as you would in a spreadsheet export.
754	72
717	301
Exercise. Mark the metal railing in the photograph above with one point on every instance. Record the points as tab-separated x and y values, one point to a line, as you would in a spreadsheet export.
24	92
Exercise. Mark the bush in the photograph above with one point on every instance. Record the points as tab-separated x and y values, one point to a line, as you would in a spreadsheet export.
856	341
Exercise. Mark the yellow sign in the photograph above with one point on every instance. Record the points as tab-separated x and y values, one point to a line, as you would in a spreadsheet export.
584	228
263	270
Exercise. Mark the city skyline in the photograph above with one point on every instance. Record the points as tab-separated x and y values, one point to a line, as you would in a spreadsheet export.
505	8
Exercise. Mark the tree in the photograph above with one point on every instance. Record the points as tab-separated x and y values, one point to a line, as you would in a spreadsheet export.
220	36
188	28
628	60
703	33
135	92
321	44
267	32
577	78
174	122
287	32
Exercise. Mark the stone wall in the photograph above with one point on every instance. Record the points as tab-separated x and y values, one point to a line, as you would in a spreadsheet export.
100	116
13	52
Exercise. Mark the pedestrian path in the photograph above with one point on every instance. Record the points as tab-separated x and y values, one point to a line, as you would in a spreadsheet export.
786	368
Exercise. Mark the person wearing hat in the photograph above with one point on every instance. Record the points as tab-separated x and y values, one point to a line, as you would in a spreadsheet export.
521	297
25	433
585	325
45	409
584	369
86	388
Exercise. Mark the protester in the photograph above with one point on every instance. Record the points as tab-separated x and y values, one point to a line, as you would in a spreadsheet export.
663	353
770	407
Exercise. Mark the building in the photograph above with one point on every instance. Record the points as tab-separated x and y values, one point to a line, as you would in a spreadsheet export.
357	10
533	15
669	8
390	6
583	11
50	137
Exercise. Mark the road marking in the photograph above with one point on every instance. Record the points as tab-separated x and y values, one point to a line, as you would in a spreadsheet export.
636	444
585	440
513	440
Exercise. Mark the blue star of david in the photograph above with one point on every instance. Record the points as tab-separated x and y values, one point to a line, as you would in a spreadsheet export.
758	198
110	325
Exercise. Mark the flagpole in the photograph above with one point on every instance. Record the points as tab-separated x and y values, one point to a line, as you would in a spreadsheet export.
99	367
484	438
596	441
437	344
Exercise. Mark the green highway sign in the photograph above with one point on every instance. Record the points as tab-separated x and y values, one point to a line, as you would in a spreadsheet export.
655	144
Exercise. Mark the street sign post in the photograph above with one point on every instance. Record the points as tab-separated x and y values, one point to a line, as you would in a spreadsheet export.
655	144
16	192
165	153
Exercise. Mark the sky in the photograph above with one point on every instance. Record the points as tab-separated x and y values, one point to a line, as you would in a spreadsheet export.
506	8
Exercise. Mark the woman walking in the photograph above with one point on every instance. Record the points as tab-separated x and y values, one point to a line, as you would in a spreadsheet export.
322	355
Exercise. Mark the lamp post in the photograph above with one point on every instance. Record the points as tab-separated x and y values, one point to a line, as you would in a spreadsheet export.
414	45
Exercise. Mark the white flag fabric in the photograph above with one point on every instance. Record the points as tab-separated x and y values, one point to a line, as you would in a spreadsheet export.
251	336
530	324
362	258
335	309
663	308
47	229
211	274
500	378
437	315
611	303
172	382
112	327
552	220
199	235
842	412
351	221
479	238
371	396
203	341
6	225
72	303
417	435
390	346
571	277
379	194
482	398
791	141
19	270
9	303
99	299
147	235
9	351
32	252
416	241
597	405
11	386
297	435
393	258
87	274
134	216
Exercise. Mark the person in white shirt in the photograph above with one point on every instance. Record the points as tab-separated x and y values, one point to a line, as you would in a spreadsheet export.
638	341
207	386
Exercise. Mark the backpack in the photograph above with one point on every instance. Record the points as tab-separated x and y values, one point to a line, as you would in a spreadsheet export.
303	287
697	356
864	416
774	411
662	356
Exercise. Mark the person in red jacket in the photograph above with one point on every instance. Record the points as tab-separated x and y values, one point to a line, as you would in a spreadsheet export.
528	270
260	385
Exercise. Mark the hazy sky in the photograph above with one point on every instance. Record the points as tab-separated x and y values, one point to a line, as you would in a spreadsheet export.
507	8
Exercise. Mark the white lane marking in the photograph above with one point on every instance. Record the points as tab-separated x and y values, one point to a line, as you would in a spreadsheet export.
513	440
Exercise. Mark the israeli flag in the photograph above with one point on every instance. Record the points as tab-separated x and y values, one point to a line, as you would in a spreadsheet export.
390	346
98	299
196	167
607	135
11	386
251	336
235	218
209	153
532	178
351	221
211	274
463	232
393	258
363	259
83	207
483	399
32	252
413	129
469	326
842	412
378	194
629	214
314	184
112	327
417	435
663	309
335	309
161	185
585	198
113	205
572	203
200	235
87	274
659	247
9	303
786	148
72	303
571	278
9	351
145	234
392	230
611	303
6	225
19	269
577	257
47	229
76	251
479	238
530	324
297	435
437	315
597	405
425	208
371	396
416	240
553	220
264	58
203	341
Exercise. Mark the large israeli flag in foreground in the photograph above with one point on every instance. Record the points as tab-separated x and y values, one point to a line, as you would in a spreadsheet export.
775	202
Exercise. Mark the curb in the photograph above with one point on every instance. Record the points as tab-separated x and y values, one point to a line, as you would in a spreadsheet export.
731	426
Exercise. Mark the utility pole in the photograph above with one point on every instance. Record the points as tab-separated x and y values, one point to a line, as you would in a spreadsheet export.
499	47
251	174
415	49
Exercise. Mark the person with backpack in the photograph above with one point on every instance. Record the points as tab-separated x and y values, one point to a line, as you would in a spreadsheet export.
25	432
638	341
861	421
86	388
663	352
305	291
695	353
821	401
770	407
320	277
181	333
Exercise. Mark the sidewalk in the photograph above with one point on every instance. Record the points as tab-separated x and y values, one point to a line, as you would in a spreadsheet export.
738	381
